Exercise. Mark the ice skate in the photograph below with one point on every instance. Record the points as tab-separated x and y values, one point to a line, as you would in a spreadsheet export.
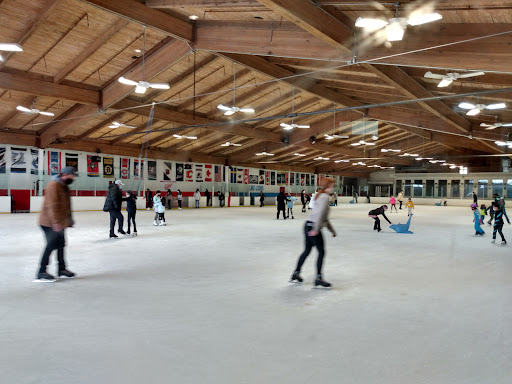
321	282
43	277
134	234
128	232
121	232
66	274
504	242
162	224
155	223
493	241
296	277
113	235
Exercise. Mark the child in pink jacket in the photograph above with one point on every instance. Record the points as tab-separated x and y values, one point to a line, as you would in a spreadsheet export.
392	201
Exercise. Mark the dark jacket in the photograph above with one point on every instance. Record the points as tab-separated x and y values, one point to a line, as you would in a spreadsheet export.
207	194
281	201
379	211
262	196
131	203
498	218
149	196
302	198
114	199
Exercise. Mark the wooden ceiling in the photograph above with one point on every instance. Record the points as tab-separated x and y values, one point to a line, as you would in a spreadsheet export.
308	51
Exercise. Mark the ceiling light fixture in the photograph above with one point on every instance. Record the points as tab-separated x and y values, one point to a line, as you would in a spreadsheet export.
115	124
475	109
362	142
447	79
390	150
9	47
193	17
322	158
228	144
264	154
184	137
298	154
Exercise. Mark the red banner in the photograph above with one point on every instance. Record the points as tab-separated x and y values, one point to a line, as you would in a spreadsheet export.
246	176
208	173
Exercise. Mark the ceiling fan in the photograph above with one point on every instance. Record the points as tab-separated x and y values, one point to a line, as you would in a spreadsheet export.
184	137
334	136
33	111
228	144
142	86
228	111
475	109
504	143
288	127
264	154
362	142
447	79
115	124
495	125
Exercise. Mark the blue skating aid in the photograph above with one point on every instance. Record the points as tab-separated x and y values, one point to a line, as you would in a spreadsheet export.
402	228
351	201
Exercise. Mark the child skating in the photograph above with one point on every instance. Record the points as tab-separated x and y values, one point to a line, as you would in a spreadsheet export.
392	201
131	208
410	206
498	223
159	210
374	214
289	204
483	210
477	220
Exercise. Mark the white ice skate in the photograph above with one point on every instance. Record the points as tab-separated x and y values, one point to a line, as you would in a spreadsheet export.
134	234
162	224
155	223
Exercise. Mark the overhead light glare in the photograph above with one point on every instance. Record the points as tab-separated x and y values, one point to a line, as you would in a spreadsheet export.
417	18
444	83
298	154
9	47
371	24
395	29
193	17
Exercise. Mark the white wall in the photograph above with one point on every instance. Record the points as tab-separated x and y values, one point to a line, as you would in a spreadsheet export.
5	204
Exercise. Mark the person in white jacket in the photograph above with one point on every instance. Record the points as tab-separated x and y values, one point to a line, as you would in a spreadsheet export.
197	196
317	219
159	209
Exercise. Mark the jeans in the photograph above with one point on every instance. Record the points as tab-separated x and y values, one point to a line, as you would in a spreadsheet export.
197	203
131	218
116	215
54	240
312	241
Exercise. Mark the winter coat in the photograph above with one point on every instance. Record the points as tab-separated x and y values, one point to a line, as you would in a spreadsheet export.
158	207
114	199
377	212
400	196
197	195
498	217
281	201
131	203
409	204
262	197
56	207
303	198
149	196
291	199
392	200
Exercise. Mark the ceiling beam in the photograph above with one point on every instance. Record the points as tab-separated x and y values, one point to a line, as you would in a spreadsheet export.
169	4
139	13
111	118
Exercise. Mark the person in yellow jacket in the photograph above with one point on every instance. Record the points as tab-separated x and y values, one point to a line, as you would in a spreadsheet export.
410	206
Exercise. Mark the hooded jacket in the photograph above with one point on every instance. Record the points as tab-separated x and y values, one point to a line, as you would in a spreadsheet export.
56	207
114	199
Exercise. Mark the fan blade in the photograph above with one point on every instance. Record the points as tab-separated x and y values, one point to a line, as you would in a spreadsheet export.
23	109
236	145
466	105
127	81
471	74
229	113
247	110
418	18
113	126
355	144
177	136
371	24
140	89
507	125
223	107
128	126
341	136
430	75
444	83
46	113
160	86
303	126
370	143
191	137
486	125
491	128
473	112
496	106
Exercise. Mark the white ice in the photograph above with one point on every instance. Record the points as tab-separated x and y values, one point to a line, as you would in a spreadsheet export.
207	300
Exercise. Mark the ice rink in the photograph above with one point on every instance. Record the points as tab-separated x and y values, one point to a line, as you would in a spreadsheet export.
206	299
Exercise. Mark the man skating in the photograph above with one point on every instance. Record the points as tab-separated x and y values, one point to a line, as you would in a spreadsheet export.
112	205
55	217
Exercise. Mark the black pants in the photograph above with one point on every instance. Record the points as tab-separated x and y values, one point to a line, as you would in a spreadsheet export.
261	203
376	225
169	204
131	219
161	217
179	203
208	201
303	206
116	215
290	210
312	241
400	204
498	228
54	240
279	209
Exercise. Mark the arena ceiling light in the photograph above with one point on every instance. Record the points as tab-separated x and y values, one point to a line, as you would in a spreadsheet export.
228	144
10	47
184	137
411	155
362	142
390	150
264	154
475	109
115	124
33	111
359	163
342	161
298	154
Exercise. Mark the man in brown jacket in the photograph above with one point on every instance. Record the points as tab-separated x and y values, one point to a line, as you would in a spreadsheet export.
54	219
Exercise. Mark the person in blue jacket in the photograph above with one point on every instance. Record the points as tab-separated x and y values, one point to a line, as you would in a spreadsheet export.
289	204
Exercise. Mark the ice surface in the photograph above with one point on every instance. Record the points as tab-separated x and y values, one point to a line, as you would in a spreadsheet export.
207	300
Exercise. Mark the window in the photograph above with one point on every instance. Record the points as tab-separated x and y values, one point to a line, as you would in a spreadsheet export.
418	188
442	188
407	189
482	188
429	191
468	188
398	186
456	189
497	186
509	189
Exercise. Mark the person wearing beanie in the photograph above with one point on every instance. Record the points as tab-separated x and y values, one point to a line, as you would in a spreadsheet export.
477	220
131	208
113	204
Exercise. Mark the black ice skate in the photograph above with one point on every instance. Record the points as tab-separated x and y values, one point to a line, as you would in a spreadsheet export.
121	232
321	282
43	277
134	234
128	232
66	273
296	277
113	235
504	242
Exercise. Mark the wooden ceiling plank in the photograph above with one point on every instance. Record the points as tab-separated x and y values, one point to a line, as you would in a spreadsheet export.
111	118
169	4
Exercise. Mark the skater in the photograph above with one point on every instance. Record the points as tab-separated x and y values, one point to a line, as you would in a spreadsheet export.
281	204
498	224
335	199
478	230
180	199
490	211
289	204
55	217
392	201
309	201
483	213
303	200
112	205
410	206
221	199
374	214
262	199
400	198
208	198
501	202
475	198
159	208
149	199
169	198
197	196
131	208
355	197
163	199
317	219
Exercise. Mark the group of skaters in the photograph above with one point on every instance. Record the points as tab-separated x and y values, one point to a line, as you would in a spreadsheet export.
496	212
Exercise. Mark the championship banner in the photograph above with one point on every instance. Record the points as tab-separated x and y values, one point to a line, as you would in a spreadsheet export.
302	179
199	173
92	166
307	180
261	179
138	169
125	168
189	173
2	160
108	167
292	178
167	170
253	179
279	178
53	163
71	160
286	178
208	173
267	178
272	178
232	175
151	170
239	176
34	168
246	176
18	160
218	174
179	172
